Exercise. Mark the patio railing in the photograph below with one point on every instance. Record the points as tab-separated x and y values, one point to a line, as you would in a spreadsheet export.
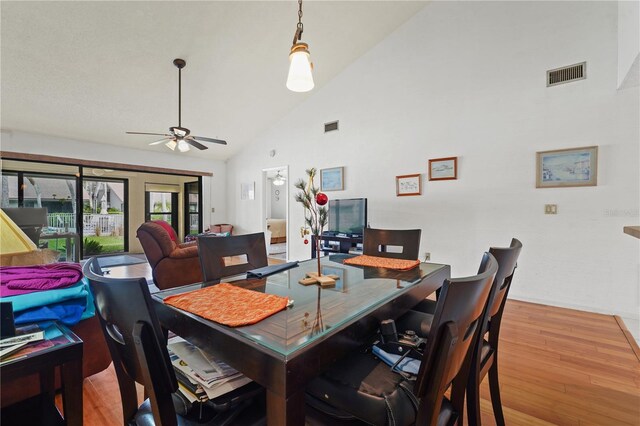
92	224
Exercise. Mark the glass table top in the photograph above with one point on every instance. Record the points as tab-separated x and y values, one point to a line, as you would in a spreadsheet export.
316	310
56	336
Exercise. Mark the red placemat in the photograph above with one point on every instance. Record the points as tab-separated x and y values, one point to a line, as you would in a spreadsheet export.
382	262
229	305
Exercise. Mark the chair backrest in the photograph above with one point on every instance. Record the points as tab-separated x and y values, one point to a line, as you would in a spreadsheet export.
408	239
30	219
456	324
507	258
156	241
136	343
213	250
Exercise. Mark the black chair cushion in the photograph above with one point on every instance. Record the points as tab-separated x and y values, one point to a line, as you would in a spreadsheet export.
144	416
365	387
415	321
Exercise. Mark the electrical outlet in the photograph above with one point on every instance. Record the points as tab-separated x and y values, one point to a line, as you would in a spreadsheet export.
550	209
427	256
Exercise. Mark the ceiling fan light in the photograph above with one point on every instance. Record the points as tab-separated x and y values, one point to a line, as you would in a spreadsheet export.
278	179
183	146
171	145
300	78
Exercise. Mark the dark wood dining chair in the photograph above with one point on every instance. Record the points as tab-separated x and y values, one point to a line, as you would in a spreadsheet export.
377	241
485	355
367	389
214	250
138	348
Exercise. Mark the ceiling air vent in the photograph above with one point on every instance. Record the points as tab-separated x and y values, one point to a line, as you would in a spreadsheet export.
567	74
330	127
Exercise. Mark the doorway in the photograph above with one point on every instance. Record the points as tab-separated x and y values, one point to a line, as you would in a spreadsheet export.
275	208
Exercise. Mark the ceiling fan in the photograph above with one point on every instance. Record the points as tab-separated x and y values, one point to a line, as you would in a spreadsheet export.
179	136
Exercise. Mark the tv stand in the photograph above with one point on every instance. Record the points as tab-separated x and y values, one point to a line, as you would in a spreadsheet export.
341	244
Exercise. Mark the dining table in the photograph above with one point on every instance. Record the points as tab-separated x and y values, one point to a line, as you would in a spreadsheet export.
321	325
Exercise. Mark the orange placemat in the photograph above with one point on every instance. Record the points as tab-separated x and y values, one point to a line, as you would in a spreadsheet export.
229	305
382	262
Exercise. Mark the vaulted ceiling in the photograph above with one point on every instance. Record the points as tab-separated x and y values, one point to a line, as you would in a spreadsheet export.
93	70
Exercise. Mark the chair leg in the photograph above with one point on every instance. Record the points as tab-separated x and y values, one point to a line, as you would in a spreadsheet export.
473	401
494	388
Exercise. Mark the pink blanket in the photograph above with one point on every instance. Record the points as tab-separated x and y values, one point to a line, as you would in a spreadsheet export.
26	279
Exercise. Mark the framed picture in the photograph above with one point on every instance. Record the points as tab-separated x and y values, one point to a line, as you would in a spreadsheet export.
408	185
443	168
332	179
248	191
567	167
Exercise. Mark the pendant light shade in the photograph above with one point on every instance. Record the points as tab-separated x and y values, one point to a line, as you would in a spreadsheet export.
300	78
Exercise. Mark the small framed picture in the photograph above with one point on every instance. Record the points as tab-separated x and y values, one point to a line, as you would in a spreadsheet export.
408	185
443	168
332	179
248	191
567	167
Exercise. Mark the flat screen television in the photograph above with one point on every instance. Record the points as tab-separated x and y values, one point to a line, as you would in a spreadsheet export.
348	216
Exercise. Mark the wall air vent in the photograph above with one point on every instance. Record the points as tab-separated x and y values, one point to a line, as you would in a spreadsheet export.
567	74
330	127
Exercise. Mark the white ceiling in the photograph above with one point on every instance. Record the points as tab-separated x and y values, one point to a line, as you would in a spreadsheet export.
93	70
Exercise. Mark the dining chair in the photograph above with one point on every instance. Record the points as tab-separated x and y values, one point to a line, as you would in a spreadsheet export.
485	355
367	389
377	241
138	348
214	250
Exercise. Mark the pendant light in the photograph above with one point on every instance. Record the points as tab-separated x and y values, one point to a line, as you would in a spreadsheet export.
300	78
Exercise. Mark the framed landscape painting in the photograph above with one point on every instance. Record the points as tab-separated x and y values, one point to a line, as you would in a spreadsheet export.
408	185
332	179
443	168
567	167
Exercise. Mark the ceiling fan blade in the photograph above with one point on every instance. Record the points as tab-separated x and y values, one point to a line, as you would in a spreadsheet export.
200	138
159	142
154	134
195	144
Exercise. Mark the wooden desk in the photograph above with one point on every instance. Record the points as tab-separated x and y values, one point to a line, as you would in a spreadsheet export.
66	352
285	351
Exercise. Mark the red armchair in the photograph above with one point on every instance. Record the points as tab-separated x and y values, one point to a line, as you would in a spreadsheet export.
173	264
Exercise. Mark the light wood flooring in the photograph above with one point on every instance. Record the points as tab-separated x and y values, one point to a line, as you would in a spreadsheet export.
557	366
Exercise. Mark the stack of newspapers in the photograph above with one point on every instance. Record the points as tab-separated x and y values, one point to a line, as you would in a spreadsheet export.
200	376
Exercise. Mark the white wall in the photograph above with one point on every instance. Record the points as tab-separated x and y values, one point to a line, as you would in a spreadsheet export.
628	38
467	79
214	188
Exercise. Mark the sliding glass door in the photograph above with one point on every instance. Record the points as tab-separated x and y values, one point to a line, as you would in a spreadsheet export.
104	218
192	208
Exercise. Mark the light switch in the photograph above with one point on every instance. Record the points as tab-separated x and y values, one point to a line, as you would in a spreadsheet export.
550	209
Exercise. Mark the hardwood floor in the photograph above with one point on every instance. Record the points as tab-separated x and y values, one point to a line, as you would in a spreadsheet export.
557	366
